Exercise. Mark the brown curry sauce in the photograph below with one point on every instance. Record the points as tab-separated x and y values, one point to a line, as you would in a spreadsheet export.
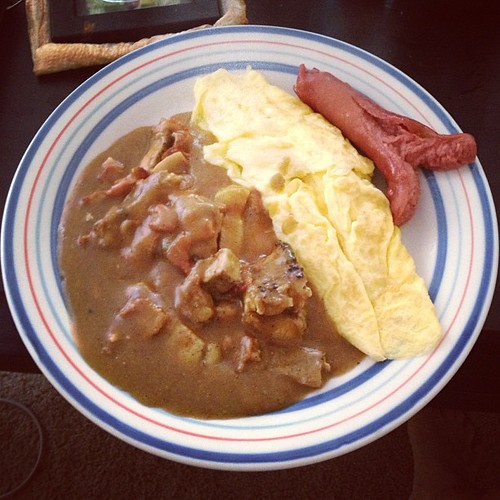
139	324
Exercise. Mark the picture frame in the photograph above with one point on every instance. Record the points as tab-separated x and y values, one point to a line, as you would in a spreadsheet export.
112	21
52	57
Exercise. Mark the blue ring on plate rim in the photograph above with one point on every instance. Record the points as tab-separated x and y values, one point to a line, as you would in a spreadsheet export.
13	286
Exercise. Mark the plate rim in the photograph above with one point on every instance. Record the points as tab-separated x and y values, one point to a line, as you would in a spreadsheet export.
52	119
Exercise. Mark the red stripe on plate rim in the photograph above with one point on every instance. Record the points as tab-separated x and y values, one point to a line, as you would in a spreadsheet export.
115	401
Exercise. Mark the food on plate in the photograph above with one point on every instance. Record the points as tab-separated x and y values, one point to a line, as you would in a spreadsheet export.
317	189
222	292
180	291
396	144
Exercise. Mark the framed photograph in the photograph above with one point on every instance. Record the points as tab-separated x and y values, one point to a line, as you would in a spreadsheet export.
110	21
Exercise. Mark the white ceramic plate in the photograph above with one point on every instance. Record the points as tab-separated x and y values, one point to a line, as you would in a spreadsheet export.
453	238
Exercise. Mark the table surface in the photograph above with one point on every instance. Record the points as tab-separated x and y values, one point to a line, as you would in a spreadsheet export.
451	49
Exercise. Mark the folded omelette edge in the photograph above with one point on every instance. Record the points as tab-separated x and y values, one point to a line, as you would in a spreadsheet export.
317	189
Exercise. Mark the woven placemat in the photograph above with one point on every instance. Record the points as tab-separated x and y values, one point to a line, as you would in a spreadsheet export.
49	57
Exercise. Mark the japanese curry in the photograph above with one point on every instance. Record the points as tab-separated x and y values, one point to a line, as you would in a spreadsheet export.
180	291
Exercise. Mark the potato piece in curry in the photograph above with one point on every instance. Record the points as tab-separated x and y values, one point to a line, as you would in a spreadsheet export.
180	291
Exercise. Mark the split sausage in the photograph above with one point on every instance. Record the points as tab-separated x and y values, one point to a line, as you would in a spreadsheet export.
397	145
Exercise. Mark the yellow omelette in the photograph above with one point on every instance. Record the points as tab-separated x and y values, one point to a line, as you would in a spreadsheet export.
317	189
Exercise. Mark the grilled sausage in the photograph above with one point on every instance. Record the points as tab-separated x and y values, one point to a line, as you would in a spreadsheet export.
397	145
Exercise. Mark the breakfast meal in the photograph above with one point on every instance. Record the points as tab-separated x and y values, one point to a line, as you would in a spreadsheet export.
229	261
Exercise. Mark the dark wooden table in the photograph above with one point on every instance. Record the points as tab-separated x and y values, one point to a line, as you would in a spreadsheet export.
452	49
